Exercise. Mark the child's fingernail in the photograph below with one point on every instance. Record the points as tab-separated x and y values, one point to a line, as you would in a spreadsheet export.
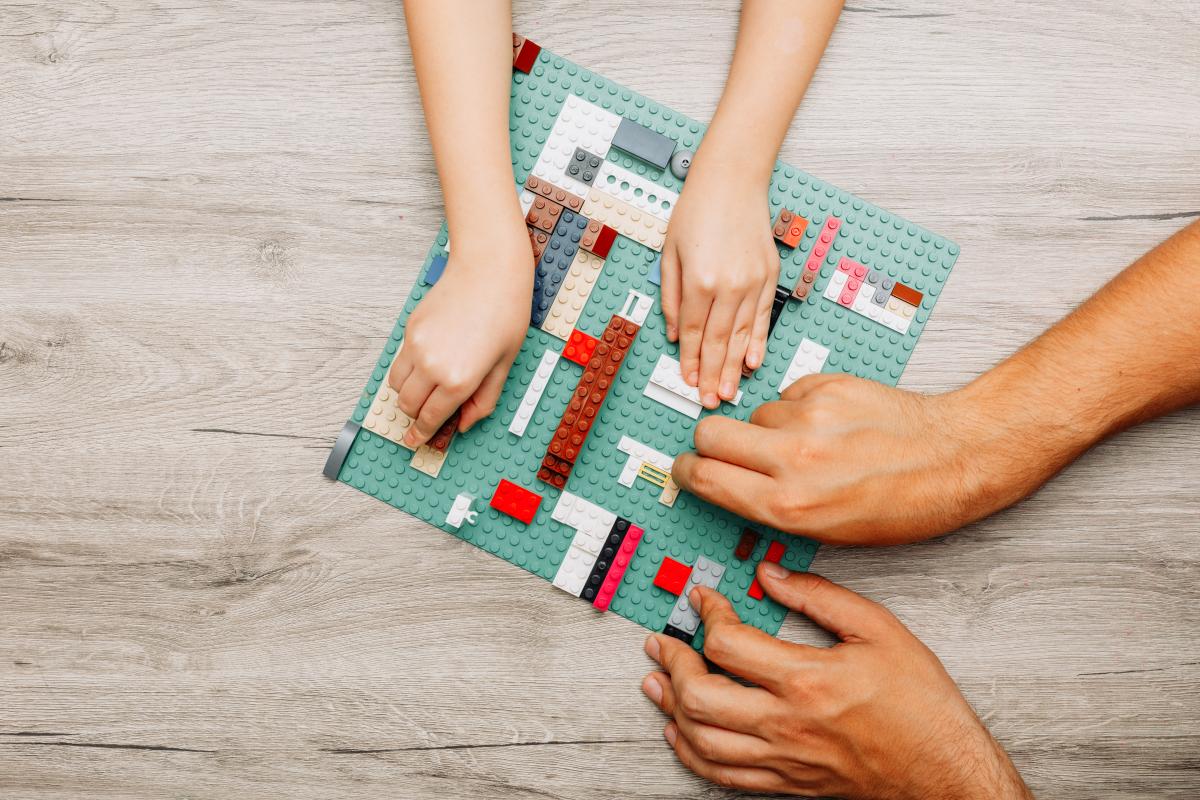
775	571
710	400
671	332
693	378
652	688
727	390
669	733
652	647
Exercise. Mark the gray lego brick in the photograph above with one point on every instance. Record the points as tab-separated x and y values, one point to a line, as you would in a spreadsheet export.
641	142
704	573
345	440
584	166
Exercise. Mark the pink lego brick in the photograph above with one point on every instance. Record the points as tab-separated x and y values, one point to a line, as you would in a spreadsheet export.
613	579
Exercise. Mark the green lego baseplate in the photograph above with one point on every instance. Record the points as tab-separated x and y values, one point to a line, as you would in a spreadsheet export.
479	459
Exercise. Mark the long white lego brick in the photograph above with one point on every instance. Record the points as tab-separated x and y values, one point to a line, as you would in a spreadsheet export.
667	377
636	308
629	187
384	417
809	359
573	572
672	400
625	219
704	573
575	512
533	393
573	294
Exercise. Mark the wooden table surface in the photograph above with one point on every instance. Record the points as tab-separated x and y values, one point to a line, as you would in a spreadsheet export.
210	214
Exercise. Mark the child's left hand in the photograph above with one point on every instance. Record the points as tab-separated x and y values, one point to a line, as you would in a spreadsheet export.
719	269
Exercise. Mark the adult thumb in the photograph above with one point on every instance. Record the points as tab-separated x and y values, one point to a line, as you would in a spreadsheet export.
846	614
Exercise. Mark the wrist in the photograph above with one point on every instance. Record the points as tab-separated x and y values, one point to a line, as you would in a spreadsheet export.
738	161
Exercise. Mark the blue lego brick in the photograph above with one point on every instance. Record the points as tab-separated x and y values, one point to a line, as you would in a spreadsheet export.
643	143
478	459
555	261
436	266
656	272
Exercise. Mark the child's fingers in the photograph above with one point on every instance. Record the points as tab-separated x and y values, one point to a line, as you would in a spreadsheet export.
670	289
436	410
735	356
401	368
413	394
757	350
483	402
714	346
694	308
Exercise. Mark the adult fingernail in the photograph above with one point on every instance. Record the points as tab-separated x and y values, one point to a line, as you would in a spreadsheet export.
775	571
695	598
652	647
670	733
727	390
652	688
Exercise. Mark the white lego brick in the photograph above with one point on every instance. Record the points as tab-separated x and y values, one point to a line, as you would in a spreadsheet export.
836	284
591	540
629	187
637	307
809	359
462	511
527	198
588	125
646	453
573	572
672	401
629	472
533	393
898	315
667	375
575	512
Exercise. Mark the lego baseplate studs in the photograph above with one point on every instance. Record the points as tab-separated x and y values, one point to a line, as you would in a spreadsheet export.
874	295
556	108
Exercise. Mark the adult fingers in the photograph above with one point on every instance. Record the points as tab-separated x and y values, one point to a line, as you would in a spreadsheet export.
730	486
695	305
736	442
710	699
762	328
846	614
670	290
713	741
714	344
808	383
745	650
483	402
754	779
436	410
735	354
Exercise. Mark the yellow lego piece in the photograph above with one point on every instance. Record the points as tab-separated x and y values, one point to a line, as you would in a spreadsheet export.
653	474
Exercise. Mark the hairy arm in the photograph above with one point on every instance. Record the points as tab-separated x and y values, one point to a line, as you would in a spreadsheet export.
719	265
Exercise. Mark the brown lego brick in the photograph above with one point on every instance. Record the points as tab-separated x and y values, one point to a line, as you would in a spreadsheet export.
538	241
543	214
746	544
789	228
552	192
907	295
440	441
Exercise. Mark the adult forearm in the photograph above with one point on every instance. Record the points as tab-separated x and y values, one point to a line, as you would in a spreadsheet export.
1128	354
462	55
779	44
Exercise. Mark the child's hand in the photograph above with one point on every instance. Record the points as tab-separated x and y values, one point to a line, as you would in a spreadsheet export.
461	340
719	268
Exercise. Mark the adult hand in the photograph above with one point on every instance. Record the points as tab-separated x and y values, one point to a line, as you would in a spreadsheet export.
462	338
853	462
875	716
719	268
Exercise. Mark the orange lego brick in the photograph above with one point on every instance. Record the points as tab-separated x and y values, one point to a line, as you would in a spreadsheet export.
907	295
789	228
543	214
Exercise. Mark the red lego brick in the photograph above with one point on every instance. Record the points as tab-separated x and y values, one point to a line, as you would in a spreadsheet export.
774	555
906	294
745	546
789	228
672	576
441	440
598	239
580	347
543	214
516	501
525	54
555	193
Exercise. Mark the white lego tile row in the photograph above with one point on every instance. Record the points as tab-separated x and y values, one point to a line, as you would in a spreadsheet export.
573	294
533	393
575	512
625	219
896	315
671	390
629	187
809	359
637	307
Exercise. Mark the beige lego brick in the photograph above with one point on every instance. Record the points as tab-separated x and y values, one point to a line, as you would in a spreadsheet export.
625	219
669	493
428	460
573	295
384	417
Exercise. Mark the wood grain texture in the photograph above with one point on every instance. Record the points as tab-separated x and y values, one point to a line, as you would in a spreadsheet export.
210	214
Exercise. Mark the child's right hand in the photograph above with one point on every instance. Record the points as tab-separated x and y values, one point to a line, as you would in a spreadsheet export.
462	338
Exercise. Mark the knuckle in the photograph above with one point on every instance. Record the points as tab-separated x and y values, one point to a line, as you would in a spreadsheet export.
690	702
724	777
705	745
717	643
701	478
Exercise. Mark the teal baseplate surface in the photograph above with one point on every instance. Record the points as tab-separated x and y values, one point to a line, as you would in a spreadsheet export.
479	459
